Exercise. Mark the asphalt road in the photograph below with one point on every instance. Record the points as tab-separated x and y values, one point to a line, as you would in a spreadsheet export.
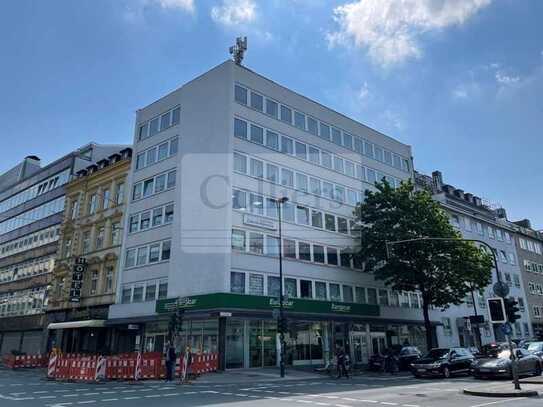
26	388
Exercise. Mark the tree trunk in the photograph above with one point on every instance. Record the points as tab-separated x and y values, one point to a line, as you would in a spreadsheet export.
427	325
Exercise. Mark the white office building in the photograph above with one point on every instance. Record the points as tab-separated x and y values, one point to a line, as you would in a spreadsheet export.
211	160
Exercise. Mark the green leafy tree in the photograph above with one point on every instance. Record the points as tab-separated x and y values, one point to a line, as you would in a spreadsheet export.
444	272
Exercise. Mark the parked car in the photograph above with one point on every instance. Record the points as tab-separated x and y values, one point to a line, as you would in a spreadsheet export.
535	348
404	354
443	362
500	366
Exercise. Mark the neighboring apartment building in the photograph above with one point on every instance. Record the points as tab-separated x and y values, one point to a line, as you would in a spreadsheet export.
92	229
32	202
210	160
476	220
529	244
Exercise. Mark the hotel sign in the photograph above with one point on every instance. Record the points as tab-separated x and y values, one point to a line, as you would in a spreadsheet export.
228	301
80	267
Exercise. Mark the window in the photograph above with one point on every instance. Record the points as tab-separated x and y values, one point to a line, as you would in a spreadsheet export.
326	160
316	219
240	163
274	286
240	129
106	199
301	150
368	151
348	293
299	120
86	243
171	179
162	290
126	295
271	208
312	126
165	121
302	215
288	212
304	251
360	295
116	233
287	145
143	132
286	114
257	134
287	177
272	140
272	173
257	168
318	253
239	199
162	151
176	114
315	186
447	328
237	282
94	282
383	297
256	203
342	225
257	101
160	183
153	127
166	250
109	279
174	146
151	156
349	168
145	220
168	213
348	141
325	131
142	256
272	246
154	253
327	190
372	296
100	237
120	193
238	240
148	187
330	222
157	216
335	293
289	248
320	290
130	260
332	254
271	108
336	136
338	164
291	290
150	291
93	201
314	156
256	284
256	243
240	94
306	289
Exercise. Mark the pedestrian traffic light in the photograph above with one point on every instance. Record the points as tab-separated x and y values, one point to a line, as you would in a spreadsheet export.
511	309
496	310
179	319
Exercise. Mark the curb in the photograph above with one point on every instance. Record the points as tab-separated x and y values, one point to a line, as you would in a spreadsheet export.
519	393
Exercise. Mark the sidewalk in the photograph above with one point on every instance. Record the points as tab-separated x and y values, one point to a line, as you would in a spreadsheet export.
530	388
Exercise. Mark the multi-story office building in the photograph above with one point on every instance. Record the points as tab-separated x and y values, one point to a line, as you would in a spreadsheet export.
32	202
529	244
477	220
92	229
211	160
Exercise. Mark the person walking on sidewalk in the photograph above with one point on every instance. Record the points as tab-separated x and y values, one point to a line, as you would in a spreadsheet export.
170	361
341	364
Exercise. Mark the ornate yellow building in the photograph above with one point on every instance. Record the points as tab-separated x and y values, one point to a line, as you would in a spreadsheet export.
90	235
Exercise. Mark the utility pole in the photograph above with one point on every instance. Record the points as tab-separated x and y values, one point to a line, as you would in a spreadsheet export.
282	322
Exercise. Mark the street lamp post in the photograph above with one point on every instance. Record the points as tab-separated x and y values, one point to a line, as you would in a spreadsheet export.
281	324
498	277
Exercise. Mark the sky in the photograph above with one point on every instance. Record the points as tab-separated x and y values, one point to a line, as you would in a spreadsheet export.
461	81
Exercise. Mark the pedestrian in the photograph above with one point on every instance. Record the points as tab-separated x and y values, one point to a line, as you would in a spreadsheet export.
170	361
391	362
341	368
186	366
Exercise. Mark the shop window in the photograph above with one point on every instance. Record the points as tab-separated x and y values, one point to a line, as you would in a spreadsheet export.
306	289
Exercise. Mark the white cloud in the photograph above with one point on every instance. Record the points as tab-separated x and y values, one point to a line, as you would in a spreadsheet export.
390	29
234	12
185	5
460	92
364	92
506	80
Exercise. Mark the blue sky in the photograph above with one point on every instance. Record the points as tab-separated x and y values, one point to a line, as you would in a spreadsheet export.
459	80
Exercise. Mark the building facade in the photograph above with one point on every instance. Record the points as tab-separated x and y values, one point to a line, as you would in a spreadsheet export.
477	220
32	200
529	243
211	159
90	237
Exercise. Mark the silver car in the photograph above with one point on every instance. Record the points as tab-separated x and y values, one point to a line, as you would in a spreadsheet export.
500	366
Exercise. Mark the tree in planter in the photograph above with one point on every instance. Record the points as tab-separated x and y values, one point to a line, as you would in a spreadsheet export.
444	272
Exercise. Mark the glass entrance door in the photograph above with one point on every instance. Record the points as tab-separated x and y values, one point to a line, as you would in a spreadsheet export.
262	344
359	348
378	342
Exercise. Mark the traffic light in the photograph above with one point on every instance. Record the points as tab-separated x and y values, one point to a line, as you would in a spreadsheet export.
496	310
511	309
176	321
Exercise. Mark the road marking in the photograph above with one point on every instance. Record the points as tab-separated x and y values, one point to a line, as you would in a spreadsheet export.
70	395
133	398
152	395
112	392
171	394
369	401
48	397
388	403
37	392
304	401
499	401
86	402
110	399
90	394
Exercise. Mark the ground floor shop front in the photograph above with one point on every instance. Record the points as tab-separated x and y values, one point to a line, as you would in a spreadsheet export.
22	334
243	330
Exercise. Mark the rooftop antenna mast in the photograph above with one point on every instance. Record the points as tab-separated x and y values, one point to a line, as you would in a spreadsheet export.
237	51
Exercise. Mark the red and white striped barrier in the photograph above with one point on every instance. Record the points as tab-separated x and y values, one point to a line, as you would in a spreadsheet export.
52	367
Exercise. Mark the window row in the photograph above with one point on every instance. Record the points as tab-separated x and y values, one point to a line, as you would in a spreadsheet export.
287	177
530	245
535	288
33	215
145	291
38	189
290	212
100	199
532	267
318	128
159	123
88	244
263	244
471	225
262	284
152	218
157	153
25	302
290	146
148	254
537	311
40	265
154	185
30	241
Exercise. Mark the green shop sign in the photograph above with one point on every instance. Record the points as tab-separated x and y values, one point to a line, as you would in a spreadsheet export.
257	302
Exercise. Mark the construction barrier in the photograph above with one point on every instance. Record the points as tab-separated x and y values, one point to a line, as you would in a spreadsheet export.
128	366
25	361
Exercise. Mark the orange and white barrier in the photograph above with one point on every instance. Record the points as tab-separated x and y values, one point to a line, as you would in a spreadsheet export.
25	361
